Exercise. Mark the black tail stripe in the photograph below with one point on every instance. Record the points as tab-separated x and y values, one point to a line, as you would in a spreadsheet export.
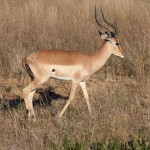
29	72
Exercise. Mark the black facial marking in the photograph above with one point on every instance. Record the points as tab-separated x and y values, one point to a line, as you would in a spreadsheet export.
117	43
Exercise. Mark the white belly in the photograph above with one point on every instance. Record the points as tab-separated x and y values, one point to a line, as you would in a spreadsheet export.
62	72
60	78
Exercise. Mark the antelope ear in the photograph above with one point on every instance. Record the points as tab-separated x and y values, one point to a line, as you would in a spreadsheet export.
104	36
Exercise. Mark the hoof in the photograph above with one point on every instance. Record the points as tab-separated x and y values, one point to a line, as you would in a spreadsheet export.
59	117
32	118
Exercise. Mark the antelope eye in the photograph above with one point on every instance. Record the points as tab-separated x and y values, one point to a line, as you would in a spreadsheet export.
117	43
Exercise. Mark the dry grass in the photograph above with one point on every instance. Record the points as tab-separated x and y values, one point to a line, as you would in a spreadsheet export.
119	93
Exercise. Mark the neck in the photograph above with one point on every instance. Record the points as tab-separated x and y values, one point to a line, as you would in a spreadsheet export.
100	57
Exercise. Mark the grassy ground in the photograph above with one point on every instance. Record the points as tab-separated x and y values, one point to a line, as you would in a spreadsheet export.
119	92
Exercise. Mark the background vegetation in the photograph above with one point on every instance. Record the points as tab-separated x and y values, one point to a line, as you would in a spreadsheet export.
119	92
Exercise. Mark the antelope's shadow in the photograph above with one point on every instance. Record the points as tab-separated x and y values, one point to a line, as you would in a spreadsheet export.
44	99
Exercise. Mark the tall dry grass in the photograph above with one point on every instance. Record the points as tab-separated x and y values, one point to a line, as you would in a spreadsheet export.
27	26
119	93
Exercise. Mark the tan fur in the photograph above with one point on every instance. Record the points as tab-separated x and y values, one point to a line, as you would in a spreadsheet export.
75	66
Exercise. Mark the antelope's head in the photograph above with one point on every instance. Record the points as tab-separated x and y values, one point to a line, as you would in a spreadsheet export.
110	36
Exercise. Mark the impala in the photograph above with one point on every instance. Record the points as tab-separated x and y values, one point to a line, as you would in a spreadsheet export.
74	65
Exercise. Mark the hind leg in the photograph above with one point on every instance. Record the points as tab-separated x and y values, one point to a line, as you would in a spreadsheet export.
31	115
28	93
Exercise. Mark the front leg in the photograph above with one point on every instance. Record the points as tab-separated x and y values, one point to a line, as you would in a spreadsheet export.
71	97
86	96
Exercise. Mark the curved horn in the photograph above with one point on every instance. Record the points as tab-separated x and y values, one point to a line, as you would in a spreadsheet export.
99	23
108	23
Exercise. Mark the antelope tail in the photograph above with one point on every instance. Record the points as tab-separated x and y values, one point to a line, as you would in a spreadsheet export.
27	68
